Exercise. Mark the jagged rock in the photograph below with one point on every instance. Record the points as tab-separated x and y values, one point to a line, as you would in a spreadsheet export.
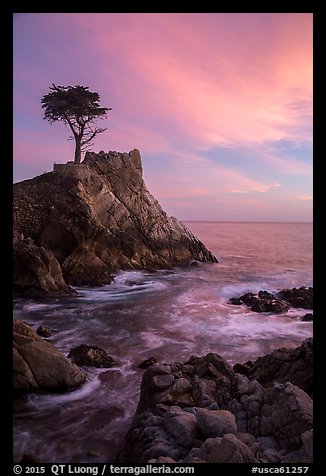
91	356
44	331
230	419
286	365
147	363
298	297
212	364
36	271
243	368
91	219
263	302
38	364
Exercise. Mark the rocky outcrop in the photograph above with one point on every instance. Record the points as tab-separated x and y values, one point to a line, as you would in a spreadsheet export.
284	365
95	218
202	411
298	297
91	356
267	302
261	302
35	270
38	364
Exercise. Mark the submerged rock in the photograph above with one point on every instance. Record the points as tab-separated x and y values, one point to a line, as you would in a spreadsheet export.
88	220
229	418
91	356
38	364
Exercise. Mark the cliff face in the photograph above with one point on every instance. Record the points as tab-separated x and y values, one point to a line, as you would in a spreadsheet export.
98	217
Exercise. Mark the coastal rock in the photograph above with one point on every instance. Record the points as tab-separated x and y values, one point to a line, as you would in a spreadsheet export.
38	364
286	365
91	356
307	317
36	271
147	363
44	331
298	297
227	450
243	368
262	302
182	426
89	220
231	419
212	423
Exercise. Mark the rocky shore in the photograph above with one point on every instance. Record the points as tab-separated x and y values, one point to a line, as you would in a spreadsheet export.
264	301
199	411
205	411
80	223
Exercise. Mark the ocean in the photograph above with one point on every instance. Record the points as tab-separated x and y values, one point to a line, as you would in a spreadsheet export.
170	315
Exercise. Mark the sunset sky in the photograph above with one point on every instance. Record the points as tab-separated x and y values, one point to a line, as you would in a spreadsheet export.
220	105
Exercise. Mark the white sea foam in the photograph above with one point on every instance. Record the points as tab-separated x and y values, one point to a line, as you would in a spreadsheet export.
39	402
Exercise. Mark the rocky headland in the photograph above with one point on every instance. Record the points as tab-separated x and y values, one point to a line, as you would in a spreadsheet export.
205	411
80	223
77	226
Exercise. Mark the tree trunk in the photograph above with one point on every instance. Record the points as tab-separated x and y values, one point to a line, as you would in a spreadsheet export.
78	150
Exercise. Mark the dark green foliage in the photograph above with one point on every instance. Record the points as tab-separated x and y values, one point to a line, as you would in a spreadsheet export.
78	108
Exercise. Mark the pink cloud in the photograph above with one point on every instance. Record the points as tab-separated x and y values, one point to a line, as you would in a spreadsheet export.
304	197
180	85
195	78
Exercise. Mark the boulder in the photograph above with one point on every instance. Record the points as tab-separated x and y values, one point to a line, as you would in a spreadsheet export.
91	356
227	450
162	382
38	364
182	426
212	423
